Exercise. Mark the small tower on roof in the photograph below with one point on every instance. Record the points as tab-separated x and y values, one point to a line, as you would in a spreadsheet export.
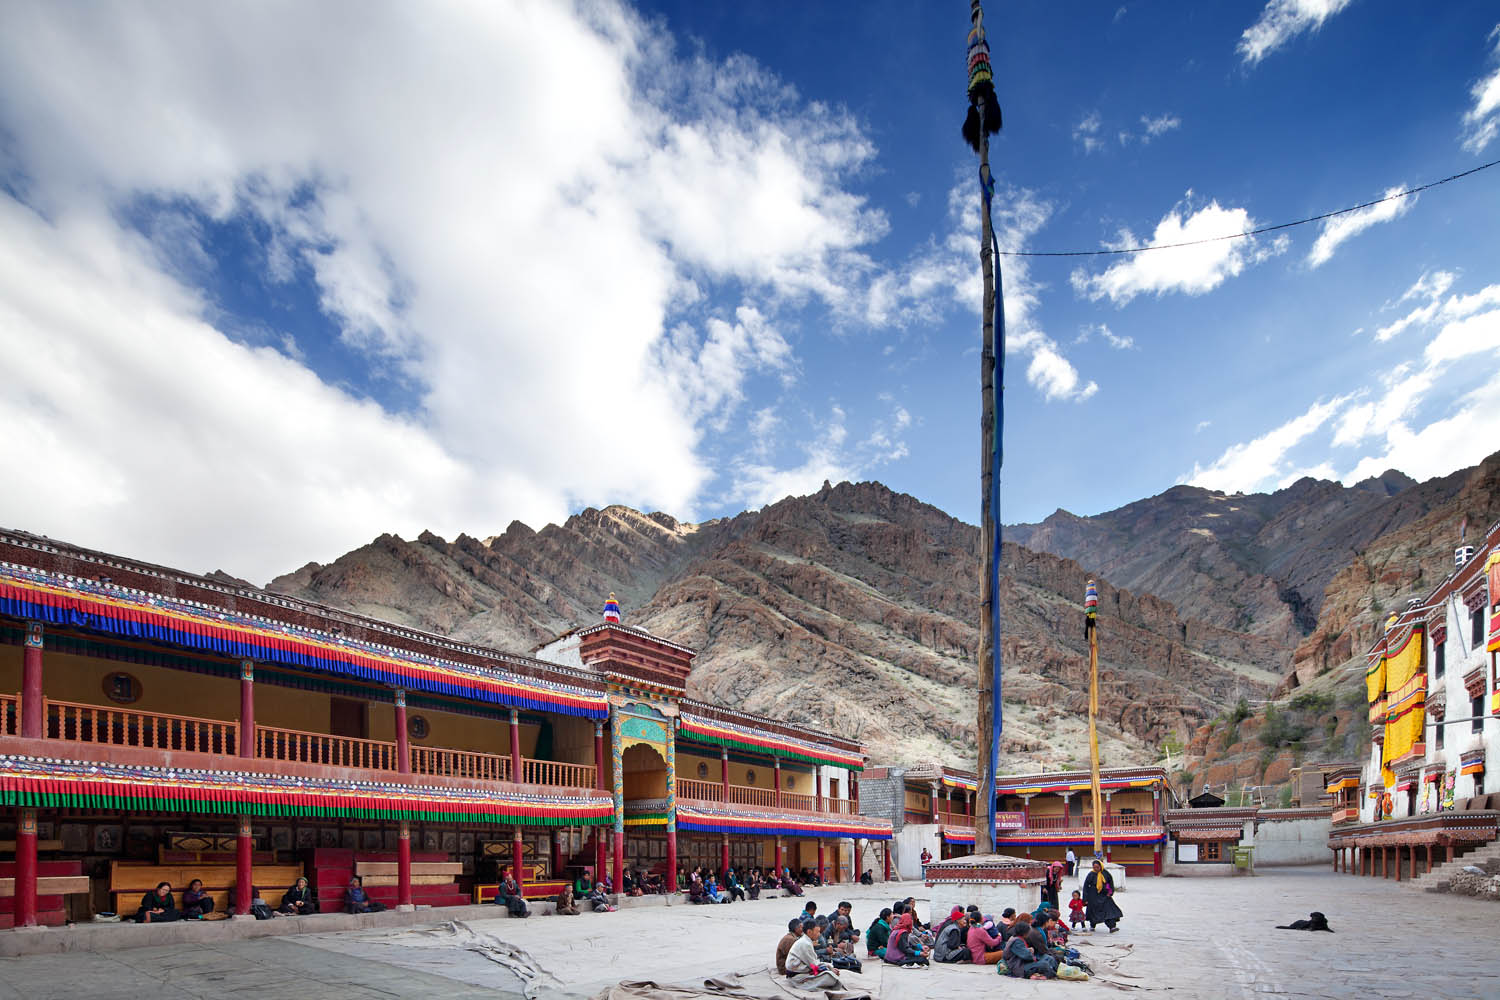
612	610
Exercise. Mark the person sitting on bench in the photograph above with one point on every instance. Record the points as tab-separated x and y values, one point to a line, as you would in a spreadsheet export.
157	906
195	902
357	901
298	899
509	895
565	905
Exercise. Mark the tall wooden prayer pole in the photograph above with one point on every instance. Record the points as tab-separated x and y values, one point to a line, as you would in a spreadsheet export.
1090	611
982	121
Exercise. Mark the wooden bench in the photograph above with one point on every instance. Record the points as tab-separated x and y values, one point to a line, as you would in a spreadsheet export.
128	881
50	885
530	890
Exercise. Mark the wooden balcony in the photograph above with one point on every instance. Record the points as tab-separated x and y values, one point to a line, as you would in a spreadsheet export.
146	730
319	748
1345	815
437	762
695	790
1114	823
103	725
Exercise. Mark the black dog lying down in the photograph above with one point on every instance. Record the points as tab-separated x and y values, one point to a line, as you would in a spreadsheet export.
1315	922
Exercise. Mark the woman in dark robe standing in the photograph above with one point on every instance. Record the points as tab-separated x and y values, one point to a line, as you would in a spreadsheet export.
1052	883
1099	899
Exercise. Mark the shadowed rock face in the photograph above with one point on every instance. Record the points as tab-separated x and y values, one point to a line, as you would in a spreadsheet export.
1253	562
854	609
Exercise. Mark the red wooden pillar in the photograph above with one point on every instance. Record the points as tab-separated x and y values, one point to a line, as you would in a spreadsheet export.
776	777
853	793
887	852
1156	860
244	874
31	691
933	788
25	885
518	860
516	773
671	860
778	848
599	757
403	743
724	854
403	866
1429	857
724	776
821	876
557	852
617	840
247	710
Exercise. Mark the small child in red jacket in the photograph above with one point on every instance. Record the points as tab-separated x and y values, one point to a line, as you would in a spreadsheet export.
1075	909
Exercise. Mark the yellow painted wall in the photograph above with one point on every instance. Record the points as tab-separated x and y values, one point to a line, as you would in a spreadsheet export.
918	801
1135	799
80	679
573	740
1046	805
1134	854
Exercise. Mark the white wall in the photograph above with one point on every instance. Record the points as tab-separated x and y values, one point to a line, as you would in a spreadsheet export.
1292	842
909	841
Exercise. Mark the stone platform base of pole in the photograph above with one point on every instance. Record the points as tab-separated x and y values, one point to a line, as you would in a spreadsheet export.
1115	869
989	881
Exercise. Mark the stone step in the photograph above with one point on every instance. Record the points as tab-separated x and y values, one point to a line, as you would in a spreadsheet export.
1478	856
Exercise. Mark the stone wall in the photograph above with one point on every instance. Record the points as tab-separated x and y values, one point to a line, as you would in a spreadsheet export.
1293	840
882	794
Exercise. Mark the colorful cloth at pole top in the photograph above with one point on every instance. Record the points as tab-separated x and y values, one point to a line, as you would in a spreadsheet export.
1091	599
981	83
612	610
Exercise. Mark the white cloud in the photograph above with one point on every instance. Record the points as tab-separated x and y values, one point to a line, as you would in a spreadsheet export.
1423	416
1280	21
909	294
1202	426
1087	132
827	456
1482	121
1118	342
1464	436
524	275
1159	125
1254	465
1192	270
1344	227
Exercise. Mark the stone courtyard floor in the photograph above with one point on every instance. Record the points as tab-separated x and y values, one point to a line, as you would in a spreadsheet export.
1184	937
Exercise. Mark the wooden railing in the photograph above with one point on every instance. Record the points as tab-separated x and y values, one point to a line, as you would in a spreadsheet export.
551	772
1117	821
150	730
801	803
699	791
320	748
459	764
745	795
838	806
10	714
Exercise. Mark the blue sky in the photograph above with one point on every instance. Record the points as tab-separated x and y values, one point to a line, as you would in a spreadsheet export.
275	279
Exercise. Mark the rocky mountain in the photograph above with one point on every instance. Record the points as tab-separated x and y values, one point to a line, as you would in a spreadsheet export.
1258	562
853	609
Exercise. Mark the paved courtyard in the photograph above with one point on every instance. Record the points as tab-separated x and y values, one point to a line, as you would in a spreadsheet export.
1189	937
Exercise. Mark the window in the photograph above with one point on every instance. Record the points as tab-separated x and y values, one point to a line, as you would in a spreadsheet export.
417	727
1439	663
1476	712
122	688
1476	624
1210	851
1437	735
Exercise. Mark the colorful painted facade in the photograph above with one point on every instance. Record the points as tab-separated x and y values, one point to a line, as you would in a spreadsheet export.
146	712
1427	793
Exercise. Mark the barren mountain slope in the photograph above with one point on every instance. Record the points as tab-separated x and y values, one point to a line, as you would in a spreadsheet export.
853	609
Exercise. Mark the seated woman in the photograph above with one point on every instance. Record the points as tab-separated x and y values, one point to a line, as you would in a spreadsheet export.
902	948
158	906
298	900
1024	963
509	895
754	883
356	900
195	902
878	934
566	905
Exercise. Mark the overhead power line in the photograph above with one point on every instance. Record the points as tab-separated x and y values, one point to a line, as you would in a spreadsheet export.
1254	232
